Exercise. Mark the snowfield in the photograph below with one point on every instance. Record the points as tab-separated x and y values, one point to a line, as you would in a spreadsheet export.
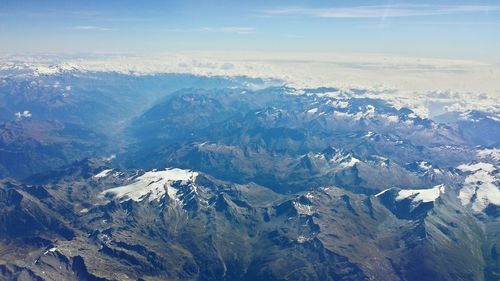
480	187
418	195
422	195
152	185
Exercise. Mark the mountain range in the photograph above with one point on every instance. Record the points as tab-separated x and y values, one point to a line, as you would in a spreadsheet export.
115	176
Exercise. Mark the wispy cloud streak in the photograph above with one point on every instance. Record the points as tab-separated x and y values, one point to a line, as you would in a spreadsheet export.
90	27
383	11
224	29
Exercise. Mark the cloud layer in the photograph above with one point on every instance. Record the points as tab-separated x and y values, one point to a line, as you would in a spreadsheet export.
91	27
221	29
383	11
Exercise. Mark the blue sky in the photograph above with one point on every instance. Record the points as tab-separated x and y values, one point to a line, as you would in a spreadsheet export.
449	29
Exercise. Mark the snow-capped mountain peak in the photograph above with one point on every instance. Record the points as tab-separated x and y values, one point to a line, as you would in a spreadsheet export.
152	185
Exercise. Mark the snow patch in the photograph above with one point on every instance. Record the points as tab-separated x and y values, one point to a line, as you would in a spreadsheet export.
382	192
391	118
309	196
421	195
480	186
302	239
369	134
352	161
51	250
303	209
493	153
103	174
24	114
153	185
424	165
333	102
109	158
487	167
312	111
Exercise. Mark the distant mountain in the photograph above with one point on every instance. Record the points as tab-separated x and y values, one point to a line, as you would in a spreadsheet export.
72	115
475	126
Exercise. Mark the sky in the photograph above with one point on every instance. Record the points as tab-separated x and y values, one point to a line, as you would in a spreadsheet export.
468	30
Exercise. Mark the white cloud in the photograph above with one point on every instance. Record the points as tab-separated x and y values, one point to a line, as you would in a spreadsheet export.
91	27
24	114
223	29
383	11
230	29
